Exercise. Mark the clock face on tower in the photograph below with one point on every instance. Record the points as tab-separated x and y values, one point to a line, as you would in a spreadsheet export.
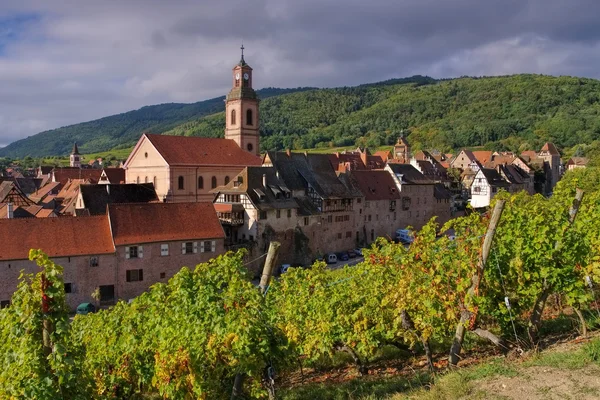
246	76
237	76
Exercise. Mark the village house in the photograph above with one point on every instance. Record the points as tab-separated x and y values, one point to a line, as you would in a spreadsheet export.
186	169
379	216
297	199
119	253
93	199
576	162
180	234
421	198
82	246
486	184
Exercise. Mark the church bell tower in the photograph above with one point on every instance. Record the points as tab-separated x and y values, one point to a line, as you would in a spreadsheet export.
241	109
75	158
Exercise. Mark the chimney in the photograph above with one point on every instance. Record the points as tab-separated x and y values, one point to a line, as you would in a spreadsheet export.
265	181
9	211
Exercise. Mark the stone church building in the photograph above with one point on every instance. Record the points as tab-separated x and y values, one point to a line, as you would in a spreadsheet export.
186	169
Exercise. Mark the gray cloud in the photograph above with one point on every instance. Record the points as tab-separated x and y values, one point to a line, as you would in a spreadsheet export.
68	61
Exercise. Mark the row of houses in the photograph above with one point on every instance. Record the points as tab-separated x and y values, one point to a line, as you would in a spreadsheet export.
119	253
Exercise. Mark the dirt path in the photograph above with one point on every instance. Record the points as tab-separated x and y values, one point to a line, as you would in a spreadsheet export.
544	383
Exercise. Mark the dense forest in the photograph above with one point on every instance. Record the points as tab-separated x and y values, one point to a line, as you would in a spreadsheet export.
504	113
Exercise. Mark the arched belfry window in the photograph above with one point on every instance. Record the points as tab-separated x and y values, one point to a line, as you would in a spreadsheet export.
226	180
249	119
213	182
180	182
232	117
200	182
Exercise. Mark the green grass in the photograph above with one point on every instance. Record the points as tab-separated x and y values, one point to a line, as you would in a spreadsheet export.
359	388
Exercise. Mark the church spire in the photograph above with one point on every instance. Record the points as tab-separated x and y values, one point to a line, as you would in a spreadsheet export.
75	149
242	61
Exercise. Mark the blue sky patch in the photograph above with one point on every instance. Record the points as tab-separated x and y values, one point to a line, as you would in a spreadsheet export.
12	26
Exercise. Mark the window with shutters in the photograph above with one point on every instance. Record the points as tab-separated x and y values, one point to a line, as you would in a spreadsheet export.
134	275
93	261
278	213
188	248
207	246
289	213
133	252
306	221
164	249
262	215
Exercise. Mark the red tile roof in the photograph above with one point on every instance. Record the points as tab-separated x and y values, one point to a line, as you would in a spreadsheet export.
376	185
550	148
384	154
63	174
184	150
155	222
484	157
57	237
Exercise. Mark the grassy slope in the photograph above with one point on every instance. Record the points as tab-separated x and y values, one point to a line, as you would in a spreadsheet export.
575	366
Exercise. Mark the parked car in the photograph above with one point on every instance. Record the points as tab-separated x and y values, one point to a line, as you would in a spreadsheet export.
331	258
358	251
352	253
85	308
404	236
342	256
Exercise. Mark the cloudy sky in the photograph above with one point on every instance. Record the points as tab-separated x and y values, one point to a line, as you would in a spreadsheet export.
63	62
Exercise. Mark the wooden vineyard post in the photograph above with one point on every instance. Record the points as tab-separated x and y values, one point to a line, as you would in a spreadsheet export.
238	383
466	314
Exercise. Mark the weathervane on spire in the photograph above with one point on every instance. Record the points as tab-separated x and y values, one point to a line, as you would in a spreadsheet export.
242	51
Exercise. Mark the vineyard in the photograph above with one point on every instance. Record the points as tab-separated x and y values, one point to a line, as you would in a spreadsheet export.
208	327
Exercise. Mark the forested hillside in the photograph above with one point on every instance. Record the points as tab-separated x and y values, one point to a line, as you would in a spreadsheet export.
122	130
509	112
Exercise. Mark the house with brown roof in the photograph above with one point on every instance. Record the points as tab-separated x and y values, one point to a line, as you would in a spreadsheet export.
82	246
65	174
420	198
154	241
576	162
10	193
325	198
120	253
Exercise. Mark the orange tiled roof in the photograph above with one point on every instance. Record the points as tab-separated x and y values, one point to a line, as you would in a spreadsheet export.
184	150
63	174
57	237
155	222
483	156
